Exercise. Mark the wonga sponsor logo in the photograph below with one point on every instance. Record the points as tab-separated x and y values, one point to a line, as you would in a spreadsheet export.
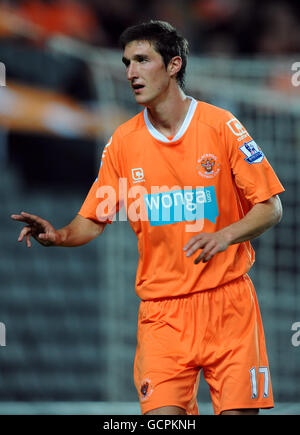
182	205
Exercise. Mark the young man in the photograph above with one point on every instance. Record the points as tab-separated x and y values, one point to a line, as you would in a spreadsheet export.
196	188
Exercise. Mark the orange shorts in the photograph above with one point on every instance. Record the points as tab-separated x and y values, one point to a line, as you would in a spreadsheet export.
219	331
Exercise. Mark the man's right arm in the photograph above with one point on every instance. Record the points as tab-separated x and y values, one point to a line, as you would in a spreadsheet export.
78	232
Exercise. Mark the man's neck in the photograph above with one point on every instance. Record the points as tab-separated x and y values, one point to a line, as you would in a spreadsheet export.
167	116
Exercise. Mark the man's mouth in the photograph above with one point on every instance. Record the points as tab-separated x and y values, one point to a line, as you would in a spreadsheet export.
137	87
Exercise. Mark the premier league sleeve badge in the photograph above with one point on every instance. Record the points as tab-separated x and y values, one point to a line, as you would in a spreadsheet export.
252	152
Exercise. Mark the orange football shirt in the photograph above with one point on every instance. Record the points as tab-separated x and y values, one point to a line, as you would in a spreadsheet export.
206	177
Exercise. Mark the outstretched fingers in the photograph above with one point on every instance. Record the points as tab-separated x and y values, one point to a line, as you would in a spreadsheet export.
38	228
32	218
18	217
28	241
28	218
24	233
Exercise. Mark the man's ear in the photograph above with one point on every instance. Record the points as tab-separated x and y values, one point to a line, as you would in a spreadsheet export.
175	65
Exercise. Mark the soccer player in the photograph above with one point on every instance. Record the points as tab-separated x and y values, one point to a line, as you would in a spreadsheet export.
197	189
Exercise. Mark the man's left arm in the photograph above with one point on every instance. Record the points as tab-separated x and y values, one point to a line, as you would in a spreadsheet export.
261	217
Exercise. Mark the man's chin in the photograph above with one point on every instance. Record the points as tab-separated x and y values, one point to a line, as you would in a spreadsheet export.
143	101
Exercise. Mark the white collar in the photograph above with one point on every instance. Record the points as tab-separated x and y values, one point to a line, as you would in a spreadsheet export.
159	136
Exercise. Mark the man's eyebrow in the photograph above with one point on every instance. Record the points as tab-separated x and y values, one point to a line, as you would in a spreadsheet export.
137	57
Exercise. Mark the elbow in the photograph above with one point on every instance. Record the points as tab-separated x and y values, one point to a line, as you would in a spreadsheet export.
274	213
278	212
279	216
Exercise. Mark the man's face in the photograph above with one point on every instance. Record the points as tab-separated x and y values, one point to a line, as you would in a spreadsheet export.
146	72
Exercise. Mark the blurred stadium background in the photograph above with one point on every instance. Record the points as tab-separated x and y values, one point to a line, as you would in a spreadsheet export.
70	315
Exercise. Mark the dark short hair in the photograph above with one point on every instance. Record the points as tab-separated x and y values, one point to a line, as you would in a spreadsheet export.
165	39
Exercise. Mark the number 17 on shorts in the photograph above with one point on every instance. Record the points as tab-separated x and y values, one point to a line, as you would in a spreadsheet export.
254	374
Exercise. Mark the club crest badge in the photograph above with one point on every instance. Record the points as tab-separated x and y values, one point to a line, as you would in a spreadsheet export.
208	166
252	152
146	389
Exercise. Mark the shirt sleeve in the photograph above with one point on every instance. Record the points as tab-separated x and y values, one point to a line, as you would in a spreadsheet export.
252	172
104	198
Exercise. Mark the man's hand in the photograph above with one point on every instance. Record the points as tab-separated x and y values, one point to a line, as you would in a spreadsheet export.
262	216
40	229
78	232
210	243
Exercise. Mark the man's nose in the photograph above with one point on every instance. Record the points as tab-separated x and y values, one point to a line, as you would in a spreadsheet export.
132	71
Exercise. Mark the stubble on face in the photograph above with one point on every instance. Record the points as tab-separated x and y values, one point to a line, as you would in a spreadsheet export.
146	72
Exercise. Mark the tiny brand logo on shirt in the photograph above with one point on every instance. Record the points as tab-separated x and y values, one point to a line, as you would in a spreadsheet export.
137	175
236	127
